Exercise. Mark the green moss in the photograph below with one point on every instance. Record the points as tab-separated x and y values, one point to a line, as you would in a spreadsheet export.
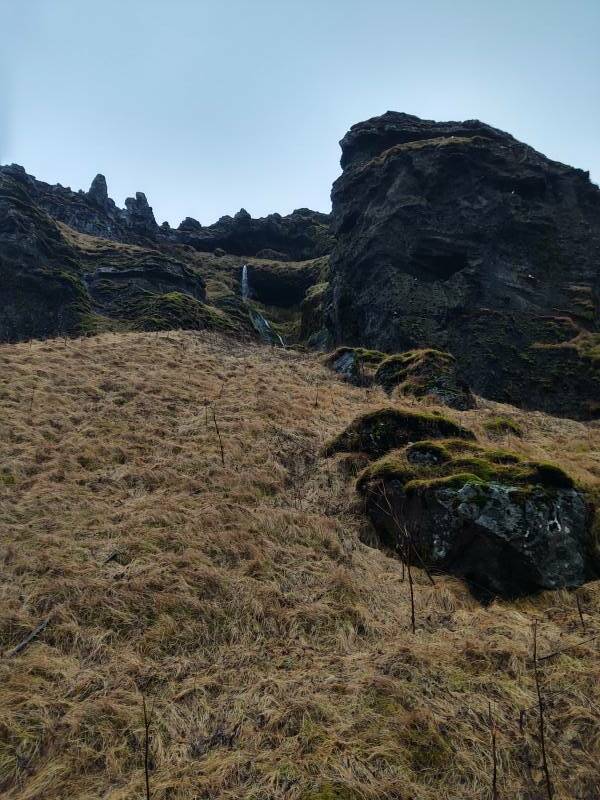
391	467
502	457
417	367
381	431
362	354
500	426
434	450
176	310
454	481
460	463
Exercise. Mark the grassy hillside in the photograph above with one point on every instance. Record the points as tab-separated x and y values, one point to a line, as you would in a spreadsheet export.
232	590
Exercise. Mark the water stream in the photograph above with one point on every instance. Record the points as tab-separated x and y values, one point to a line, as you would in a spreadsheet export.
262	325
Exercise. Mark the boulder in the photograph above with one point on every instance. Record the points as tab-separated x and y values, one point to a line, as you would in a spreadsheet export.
457	237
507	526
355	364
425	373
378	432
418	373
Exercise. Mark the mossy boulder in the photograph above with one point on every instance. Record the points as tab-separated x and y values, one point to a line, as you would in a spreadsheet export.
425	373
507	525
355	364
378	432
417	373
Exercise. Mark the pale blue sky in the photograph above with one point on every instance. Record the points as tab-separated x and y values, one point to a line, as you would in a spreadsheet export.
211	105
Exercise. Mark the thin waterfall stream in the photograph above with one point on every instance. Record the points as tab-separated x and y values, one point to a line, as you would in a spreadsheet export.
262	325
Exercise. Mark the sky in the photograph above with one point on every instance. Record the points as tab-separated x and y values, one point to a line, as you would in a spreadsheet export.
211	105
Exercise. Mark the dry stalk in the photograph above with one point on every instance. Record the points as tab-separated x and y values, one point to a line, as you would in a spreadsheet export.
541	715
494	753
147	724
219	436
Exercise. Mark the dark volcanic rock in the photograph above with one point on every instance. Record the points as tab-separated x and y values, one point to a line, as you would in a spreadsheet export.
55	281
425	373
98	192
457	236
506	526
91	212
419	373
41	292
379	432
282	284
140	217
302	235
189	224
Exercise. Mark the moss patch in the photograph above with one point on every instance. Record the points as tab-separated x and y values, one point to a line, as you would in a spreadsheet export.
176	310
425	372
380	431
362	355
455	468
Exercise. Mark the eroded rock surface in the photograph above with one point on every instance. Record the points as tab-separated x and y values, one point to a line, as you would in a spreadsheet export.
458	237
507	526
303	234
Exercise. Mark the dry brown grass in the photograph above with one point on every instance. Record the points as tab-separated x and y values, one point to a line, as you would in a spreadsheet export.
240	600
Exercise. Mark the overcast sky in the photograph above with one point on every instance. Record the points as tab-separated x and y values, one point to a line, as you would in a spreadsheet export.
209	105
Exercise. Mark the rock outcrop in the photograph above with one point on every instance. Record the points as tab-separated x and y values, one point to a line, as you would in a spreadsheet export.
458	237
417	373
283	284
507	526
379	432
41	291
302	235
56	281
439	499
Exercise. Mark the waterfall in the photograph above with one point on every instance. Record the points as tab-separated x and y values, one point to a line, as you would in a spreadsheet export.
262	325
245	284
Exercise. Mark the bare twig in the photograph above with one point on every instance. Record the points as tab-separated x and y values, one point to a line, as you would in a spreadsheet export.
29	638
391	513
570	647
219	436
147	724
578	601
494	753
541	714
412	590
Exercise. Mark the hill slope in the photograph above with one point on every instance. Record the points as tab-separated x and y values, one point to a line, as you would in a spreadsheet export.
232	590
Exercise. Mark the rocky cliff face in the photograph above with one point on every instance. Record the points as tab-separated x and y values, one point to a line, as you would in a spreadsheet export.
455	235
56	281
304	234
